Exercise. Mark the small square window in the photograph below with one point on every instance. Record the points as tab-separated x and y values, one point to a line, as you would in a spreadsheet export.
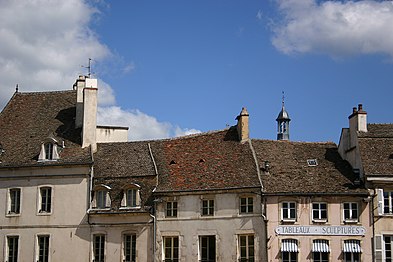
246	205
207	207
171	209
350	210
319	212
288	211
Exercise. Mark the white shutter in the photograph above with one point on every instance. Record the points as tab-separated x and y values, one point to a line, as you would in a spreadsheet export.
94	200
378	248
42	152
124	199
380	201
108	200
55	152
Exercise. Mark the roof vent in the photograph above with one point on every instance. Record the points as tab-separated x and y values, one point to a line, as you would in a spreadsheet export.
312	162
172	162
201	160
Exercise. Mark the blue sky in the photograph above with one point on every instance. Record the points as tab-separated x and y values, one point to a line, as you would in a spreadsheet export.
177	67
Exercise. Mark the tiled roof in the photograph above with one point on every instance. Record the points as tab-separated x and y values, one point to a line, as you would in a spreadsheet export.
30	118
289	171
208	161
120	164
376	149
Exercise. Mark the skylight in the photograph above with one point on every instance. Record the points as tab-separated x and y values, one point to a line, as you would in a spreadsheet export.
312	162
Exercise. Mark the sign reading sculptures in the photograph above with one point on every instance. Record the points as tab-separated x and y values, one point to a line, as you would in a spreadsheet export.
321	230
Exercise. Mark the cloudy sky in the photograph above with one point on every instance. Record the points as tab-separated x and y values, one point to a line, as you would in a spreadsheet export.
170	68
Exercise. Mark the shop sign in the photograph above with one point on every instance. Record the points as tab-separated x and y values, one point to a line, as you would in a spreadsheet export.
321	230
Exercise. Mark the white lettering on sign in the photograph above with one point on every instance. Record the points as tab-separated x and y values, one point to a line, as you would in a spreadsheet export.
321	230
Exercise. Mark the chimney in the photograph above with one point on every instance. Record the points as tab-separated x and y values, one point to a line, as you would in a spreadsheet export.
242	125
357	123
79	86
86	110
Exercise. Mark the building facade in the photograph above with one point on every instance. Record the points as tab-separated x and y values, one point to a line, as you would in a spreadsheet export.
369	149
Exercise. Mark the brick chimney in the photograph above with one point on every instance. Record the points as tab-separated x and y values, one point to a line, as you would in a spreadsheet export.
242	125
86	110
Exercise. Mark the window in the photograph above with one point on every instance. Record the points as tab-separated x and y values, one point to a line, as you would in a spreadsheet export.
48	151
246	248
101	199
352	251
288	211
132	197
207	248
45	200
246	205
320	250
129	248
289	250
350	212
387	202
319	212
171	249
388	241
43	248
312	162
14	198
99	248
12	248
207	207
171	209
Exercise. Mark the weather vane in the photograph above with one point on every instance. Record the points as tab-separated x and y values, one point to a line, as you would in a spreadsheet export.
283	98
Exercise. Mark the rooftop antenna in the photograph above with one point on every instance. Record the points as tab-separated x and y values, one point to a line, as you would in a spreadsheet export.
88	68
16	88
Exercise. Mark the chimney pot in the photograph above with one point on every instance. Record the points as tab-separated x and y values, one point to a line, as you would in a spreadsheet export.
354	110
360	107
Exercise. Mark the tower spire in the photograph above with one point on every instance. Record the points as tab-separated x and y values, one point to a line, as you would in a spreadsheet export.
283	122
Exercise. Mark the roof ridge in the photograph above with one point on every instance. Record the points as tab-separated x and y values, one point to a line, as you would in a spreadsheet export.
295	142
44	92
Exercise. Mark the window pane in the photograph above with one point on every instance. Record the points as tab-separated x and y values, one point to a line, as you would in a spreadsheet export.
43	248
99	248
46	195
15	201
12	242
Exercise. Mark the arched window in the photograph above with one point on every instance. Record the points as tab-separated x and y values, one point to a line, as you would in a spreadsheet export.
131	196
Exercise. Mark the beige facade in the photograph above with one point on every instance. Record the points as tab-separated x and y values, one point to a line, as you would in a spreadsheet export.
225	226
65	222
304	229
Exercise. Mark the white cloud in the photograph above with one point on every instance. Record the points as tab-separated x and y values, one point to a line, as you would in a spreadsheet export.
142	126
336	28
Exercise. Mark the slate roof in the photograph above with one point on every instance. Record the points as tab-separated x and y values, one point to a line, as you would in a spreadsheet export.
120	164
376	149
208	161
289	171
30	118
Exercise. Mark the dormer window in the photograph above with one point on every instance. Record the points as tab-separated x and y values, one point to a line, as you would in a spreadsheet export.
101	198
131	197
49	150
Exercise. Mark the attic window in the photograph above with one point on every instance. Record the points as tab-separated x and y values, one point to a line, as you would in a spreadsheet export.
312	162
49	151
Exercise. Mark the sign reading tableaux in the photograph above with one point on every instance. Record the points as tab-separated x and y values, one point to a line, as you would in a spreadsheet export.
321	230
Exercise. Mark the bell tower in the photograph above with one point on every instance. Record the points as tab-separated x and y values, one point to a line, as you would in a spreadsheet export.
283	123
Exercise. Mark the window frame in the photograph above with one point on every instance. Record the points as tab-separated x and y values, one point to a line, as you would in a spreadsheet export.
246	207
320	212
129	250
209	209
174	248
47	248
289	208
102	246
40	203
7	248
201	248
171	208
106	201
248	247
10	202
351	210
321	253
353	254
292	256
